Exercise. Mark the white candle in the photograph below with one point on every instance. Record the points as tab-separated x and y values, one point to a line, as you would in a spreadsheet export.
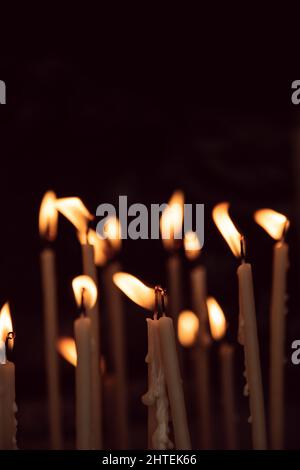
115	310
8	408
226	354
85	292
174	383
276	225
247	326
48	228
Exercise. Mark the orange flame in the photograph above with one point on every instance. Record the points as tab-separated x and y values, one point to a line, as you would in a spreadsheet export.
112	231
273	222
85	291
227	228
100	248
216	318
48	216
135	290
188	327
191	245
6	325
66	347
171	220
75	211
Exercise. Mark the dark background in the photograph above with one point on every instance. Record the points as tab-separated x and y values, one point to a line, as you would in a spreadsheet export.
100	126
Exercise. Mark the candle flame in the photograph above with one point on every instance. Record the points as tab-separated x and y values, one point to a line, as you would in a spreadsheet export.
112	231
6	325
75	211
273	222
171	220
216	318
48	216
191	245
100	248
85	291
188	327
66	347
224	223
135	289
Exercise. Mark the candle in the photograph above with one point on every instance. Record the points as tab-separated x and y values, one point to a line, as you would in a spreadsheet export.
247	325
116	315
217	324
164	380
48	229
201	351
276	226
76	212
85	292
171	232
8	408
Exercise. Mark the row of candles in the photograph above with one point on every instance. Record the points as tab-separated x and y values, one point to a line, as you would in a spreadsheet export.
165	396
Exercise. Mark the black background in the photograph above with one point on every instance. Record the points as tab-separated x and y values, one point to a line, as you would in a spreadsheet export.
140	121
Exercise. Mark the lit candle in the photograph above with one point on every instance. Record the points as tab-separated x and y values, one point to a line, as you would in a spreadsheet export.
247	325
201	351
217	324
115	310
171	232
76	212
85	292
8	408
276	226
48	229
164	380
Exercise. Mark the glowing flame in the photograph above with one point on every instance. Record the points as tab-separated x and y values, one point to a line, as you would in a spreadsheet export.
6	325
75	211
216	318
191	245
100	247
171	220
273	222
48	216
135	290
227	228
188	327
85	291
66	347
112	231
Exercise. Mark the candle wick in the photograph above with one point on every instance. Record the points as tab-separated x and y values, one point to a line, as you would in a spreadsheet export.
82	305
243	249
284	231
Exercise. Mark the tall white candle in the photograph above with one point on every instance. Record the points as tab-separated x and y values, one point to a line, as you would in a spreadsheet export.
116	314
48	228
247	326
8	408
89	269
85	292
276	225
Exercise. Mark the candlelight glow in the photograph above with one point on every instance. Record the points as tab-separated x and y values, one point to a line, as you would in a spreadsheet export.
85	291
135	290
75	211
188	327
100	247
48	216
6	325
112	231
191	245
227	228
171	220
216	318
66	347
273	222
